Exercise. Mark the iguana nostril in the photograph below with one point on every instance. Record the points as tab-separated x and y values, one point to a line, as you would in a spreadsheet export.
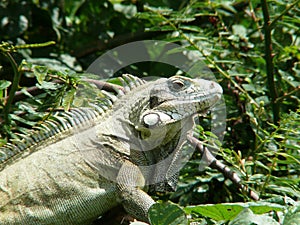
153	101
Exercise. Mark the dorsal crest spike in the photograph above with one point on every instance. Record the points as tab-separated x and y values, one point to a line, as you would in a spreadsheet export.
79	115
112	97
54	125
130	82
124	84
62	121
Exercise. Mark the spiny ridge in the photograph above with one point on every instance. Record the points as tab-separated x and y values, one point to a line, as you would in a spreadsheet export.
62	122
57	124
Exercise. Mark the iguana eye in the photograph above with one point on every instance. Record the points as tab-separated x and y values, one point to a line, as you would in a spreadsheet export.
177	85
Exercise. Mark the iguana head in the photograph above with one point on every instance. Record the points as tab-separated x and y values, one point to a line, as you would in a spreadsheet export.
176	98
161	119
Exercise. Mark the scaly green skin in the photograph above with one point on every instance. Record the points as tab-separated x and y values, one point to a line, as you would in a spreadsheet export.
79	174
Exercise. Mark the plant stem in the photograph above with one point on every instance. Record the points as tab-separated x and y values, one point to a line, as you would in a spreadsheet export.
14	87
39	45
269	62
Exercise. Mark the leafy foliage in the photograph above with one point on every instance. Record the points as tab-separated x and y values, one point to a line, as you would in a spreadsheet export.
166	214
252	47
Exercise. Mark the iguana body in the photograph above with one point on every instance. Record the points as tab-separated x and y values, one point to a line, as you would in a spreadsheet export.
98	158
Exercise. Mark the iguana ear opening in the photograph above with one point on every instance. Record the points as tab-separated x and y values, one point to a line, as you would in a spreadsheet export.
152	119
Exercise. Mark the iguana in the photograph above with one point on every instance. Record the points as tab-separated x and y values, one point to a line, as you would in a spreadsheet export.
84	162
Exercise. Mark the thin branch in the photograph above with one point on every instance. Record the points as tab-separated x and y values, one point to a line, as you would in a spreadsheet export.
281	98
37	45
19	95
216	164
105	85
254	17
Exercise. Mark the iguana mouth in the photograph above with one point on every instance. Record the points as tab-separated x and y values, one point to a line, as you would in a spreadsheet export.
201	103
155	102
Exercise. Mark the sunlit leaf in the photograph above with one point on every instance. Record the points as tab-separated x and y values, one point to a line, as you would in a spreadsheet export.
166	214
229	211
4	84
292	217
247	217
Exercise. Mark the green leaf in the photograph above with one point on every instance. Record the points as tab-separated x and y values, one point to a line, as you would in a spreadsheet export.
217	212
40	73
228	211
287	190
247	217
191	28
68	99
239	30
4	84
47	85
293	216
166	214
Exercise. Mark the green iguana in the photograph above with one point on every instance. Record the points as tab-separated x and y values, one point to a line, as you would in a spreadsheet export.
88	160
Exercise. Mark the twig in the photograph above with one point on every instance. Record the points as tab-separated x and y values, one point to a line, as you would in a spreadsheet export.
281	98
253	16
6	49
36	45
104	85
216	164
19	95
